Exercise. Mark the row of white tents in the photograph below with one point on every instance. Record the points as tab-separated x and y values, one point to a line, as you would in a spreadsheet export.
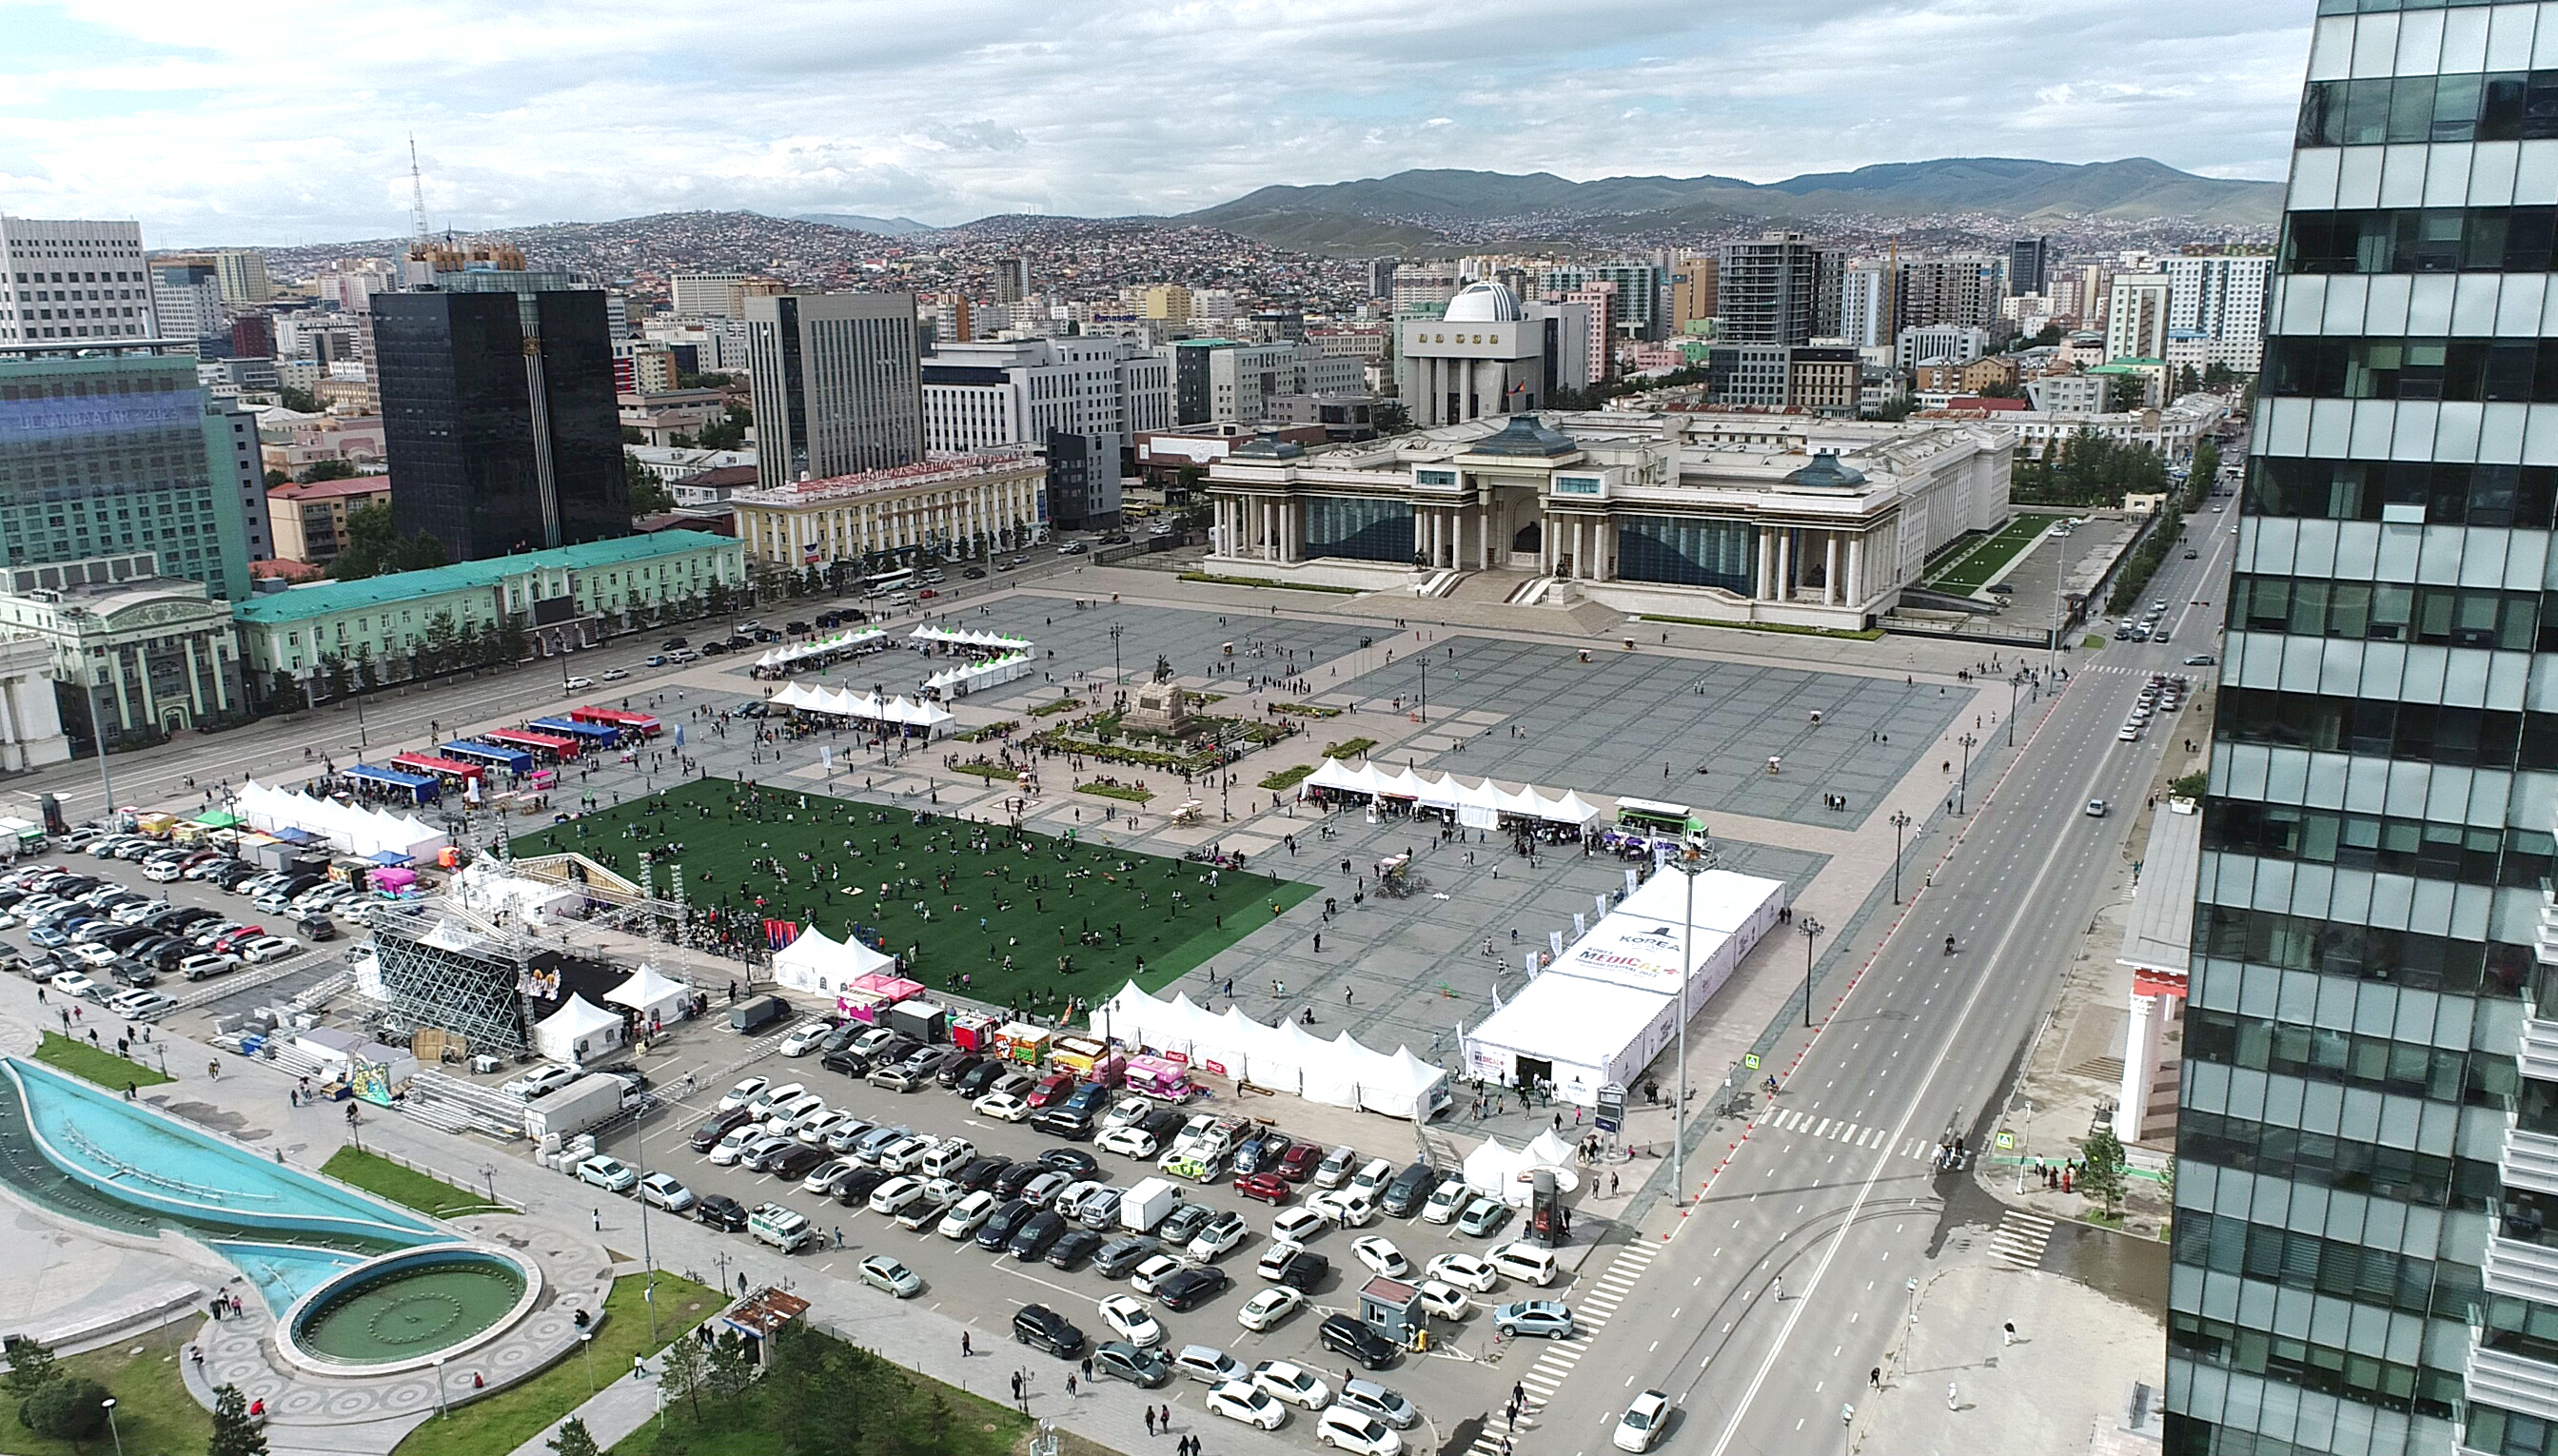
868	707
359	831
1502	1172
1287	1057
960	637
968	677
822	646
1478	806
822	966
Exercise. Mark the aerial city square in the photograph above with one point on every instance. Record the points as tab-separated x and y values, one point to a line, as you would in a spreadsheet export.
1054	733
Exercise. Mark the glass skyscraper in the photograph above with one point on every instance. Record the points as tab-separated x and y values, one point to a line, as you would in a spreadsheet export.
2365	1246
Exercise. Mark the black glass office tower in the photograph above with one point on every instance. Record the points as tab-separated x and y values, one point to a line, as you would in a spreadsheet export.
2364	1253
498	415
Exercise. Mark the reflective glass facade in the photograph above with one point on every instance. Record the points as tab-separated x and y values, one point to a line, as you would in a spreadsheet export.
2360	1260
1688	551
1358	528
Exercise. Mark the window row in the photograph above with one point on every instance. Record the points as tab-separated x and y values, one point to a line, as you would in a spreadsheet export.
2321	1368
2439	616
2422	240
2331	1266
2466	854
2496	370
2331	1054
2410	959
2475	106
2427	1180
2424	733
2525	496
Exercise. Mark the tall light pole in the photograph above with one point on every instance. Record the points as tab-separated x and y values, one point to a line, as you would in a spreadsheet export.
2014	684
1694	858
96	725
109	1403
1117	679
1962	785
1424	659
1811	929
1899	822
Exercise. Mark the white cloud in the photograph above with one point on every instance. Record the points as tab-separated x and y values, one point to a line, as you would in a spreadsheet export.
542	111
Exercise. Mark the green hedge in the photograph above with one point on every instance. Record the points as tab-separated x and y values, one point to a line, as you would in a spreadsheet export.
1128	791
1286	779
1349	749
1263	581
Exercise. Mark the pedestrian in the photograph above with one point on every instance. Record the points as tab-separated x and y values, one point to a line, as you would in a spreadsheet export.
2007	1334
639	1368
1874	1379
1164	1417
1953	1398
1069	1384
1088	1366
1150	1420
964	1351
1781	1288
599	1219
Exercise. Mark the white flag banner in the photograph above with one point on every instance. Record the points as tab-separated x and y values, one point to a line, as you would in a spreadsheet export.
1527	962
1632	884
1600	900
826	756
1580	925
1554	942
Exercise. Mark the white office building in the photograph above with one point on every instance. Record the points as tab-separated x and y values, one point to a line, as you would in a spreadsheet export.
2136	316
73	278
837	383
2219	300
981	395
1492	355
1959	343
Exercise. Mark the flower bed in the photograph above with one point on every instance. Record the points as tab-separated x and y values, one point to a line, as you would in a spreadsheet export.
1108	790
1286	779
1350	750
1004	729
986	769
1305	710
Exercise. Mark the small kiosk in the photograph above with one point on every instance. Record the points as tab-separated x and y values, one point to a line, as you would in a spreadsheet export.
1393	1309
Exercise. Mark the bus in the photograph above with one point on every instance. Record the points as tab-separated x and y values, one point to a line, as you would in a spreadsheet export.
642	724
1654	819
889	583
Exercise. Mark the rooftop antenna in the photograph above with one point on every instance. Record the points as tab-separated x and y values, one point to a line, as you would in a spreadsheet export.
416	192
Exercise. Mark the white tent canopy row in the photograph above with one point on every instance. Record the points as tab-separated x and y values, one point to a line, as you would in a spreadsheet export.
1503	1173
842	641
964	680
1479	804
822	965
960	637
1339	1073
359	831
869	707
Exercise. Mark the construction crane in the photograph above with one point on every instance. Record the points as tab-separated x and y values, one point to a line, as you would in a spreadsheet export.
416	192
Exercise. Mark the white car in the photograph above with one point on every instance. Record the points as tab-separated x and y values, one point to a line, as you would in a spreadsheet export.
74	983
744	1094
1269	1307
1381	1256
1216	1238
608	1173
1347	1208
664	1190
1443	1300
811	1126
1002	1106
726	1152
968	1214
95	954
1129	1113
615	674
1293	1384
578	684
271	948
1130	1319
905	1153
1525	1262
815	1133
804	1038
1446	1201
822	1179
892	1197
140	1005
1154	1271
1251	1405
1641	1424
541	1080
1464	1270
763	1103
1297	1226
1358	1432
784	1118
1129	1142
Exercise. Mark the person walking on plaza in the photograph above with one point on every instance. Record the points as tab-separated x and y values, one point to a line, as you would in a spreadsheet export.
1953	1398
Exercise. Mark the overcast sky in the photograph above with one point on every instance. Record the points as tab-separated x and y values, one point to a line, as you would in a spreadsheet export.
289	123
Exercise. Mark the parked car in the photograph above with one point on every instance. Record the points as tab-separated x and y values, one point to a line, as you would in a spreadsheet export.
1042	1327
1236	1400
719	1211
1347	1335
1550	1319
887	1275
608	1173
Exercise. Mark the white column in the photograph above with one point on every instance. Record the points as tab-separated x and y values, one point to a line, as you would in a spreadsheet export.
1856	569
1767	589
1830	569
2140	1066
1786	567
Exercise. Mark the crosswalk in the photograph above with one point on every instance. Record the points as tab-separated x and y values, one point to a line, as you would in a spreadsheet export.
2020	1239
1854	1134
1594	1303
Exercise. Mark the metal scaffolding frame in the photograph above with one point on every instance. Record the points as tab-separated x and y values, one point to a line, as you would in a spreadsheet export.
449	967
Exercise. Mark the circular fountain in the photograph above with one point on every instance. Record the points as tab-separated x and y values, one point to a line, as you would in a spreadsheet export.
406	1310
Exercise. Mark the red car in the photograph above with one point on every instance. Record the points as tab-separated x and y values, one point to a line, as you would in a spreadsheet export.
1270	1188
232	941
1054	1090
1300	1162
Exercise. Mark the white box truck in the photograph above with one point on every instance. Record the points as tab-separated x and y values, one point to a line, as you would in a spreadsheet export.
566	1111
1147	1203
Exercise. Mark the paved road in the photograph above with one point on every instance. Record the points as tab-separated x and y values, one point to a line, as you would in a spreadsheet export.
1834	1192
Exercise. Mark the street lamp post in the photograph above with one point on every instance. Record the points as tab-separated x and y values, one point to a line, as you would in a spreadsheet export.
1963	785
1694	859
2027	1143
1899	822
96	725
440	1408
1811	928
1424	659
586	1342
2014	684
109	1403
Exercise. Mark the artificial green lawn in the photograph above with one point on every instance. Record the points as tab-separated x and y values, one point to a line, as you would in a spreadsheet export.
1082	885
379	1174
497	1424
1983	561
107	1069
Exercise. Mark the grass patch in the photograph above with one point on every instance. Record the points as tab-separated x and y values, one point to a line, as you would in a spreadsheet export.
2093	642
1286	779
1305	710
1025	890
432	1195
929	1415
1349	749
1262	581
991	730
152	1411
89	1064
1975	567
1869	633
498	1425
1129	792
978	767
1055	707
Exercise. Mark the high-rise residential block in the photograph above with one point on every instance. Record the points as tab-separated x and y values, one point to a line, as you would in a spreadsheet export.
188	297
1692	290
2136	307
1422	290
838	385
2219	300
1779	288
243	275
1170	302
1012	280
2364	1256
707	295
1017	393
498	415
1961	291
1380	277
73	278
2029	263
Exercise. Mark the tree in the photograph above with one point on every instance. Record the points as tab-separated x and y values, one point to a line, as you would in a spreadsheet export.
2051	334
728	433
440	649
283	693
300	401
2123	392
276	478
633	435
234	1433
2188	380
574	1440
732	1368
2100	1174
66	1408
684	1371
648	494
30	1363
2190	786
333	668
367	673
329	470
1390	417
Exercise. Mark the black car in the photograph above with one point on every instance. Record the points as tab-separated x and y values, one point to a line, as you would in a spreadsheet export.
720	1210
1013	1179
1073	1160
841	1037
856	1188
975	573
1072	1124
1120	1257
719	1125
1190	1288
1344	1334
1303	1270
1036	1235
1121	1361
796	1162
955	1069
974	1081
132	974
980	1172
1043	1328
1076	1245
846	1061
1000	1226
1259	1151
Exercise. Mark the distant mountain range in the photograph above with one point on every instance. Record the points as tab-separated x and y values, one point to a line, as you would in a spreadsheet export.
884	227
1414	209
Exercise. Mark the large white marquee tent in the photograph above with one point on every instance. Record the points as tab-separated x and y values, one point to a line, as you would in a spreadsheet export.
364	832
868	707
1476	806
822	966
1338	1073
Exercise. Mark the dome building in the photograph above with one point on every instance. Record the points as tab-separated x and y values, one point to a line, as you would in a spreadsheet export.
1492	355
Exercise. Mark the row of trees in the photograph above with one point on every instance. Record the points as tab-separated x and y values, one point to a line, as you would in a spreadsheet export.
2088	469
374	547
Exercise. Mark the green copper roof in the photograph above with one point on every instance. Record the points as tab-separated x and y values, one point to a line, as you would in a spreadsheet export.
330	598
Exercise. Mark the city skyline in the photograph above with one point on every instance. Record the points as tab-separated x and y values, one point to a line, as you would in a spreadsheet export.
206	137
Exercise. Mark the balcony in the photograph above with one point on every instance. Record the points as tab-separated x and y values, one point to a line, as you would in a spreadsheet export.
2512	1381
2523	1269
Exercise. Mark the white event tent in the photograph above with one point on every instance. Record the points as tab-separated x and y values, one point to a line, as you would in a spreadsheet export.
1339	1073
822	646
960	637
578	1030
822	966
364	832
1478	806
652	996
866	707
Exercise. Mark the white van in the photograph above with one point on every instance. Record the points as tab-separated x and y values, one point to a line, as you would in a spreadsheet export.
946	1156
778	1226
1371	1179
1335	1168
1524	1262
